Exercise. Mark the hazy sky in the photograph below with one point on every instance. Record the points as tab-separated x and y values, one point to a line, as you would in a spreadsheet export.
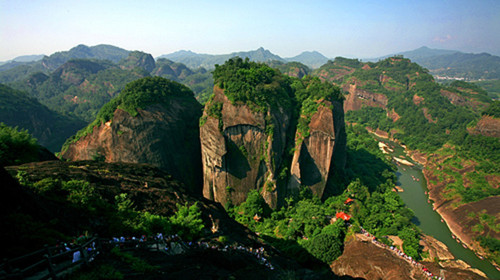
348	28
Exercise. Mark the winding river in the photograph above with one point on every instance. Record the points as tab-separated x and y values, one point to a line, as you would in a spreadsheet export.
414	195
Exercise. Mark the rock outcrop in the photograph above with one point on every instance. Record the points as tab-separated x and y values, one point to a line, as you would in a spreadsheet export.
357	98
487	126
318	155
251	125
241	150
162	134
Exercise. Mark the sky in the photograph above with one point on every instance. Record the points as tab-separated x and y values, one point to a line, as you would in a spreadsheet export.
350	28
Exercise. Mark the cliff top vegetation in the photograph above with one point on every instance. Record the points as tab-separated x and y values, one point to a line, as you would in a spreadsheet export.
254	84
138	94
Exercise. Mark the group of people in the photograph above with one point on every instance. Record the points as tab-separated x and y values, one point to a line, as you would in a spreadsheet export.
62	247
401	254
173	244
259	253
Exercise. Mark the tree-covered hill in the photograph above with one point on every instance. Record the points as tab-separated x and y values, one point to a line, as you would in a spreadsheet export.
292	69
80	87
18	70
18	109
443	123
455	64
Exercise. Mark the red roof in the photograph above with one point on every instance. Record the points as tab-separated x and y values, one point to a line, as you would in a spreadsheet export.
343	216
348	200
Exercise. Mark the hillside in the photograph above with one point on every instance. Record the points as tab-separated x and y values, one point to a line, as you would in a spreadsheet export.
49	127
117	194
20	68
154	121
82	86
445	125
455	65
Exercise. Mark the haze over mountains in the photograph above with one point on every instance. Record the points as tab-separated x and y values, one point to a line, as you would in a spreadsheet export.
443	64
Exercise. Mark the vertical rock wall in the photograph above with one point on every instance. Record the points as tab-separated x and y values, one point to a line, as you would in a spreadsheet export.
317	156
164	136
244	150
241	151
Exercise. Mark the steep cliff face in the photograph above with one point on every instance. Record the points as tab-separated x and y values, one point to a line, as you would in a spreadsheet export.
317	156
164	134
251	125
241	150
357	98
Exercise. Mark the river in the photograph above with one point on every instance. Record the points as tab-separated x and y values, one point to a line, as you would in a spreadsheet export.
427	219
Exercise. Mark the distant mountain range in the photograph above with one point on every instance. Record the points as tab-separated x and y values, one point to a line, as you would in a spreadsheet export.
42	63
454	65
194	60
442	64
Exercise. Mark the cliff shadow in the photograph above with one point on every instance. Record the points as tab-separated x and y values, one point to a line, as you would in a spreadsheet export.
292	249
309	172
368	168
236	161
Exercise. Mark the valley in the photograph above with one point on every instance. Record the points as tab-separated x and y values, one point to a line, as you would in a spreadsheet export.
278	154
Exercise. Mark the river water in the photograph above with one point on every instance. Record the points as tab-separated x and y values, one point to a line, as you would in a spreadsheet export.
414	185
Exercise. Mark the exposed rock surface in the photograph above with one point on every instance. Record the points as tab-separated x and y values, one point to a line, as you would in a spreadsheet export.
365	260
487	126
357	98
318	155
241	155
455	213
164	136
361	258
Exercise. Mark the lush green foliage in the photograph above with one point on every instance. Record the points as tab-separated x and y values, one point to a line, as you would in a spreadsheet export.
257	85
136	95
119	213
187	221
304	222
16	146
137	264
311	93
328	245
493	110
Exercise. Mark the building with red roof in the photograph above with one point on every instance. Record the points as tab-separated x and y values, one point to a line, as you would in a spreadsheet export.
348	201
343	216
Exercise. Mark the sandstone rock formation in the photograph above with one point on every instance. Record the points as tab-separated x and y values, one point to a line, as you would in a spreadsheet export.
487	126
241	150
317	156
358	98
162	134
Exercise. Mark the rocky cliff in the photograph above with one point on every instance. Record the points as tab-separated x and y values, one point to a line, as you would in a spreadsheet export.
357	98
241	150
248	130
163	133
318	155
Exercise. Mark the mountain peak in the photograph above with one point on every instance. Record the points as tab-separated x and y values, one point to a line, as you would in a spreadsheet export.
313	59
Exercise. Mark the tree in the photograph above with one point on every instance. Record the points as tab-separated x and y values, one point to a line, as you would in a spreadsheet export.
17	146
